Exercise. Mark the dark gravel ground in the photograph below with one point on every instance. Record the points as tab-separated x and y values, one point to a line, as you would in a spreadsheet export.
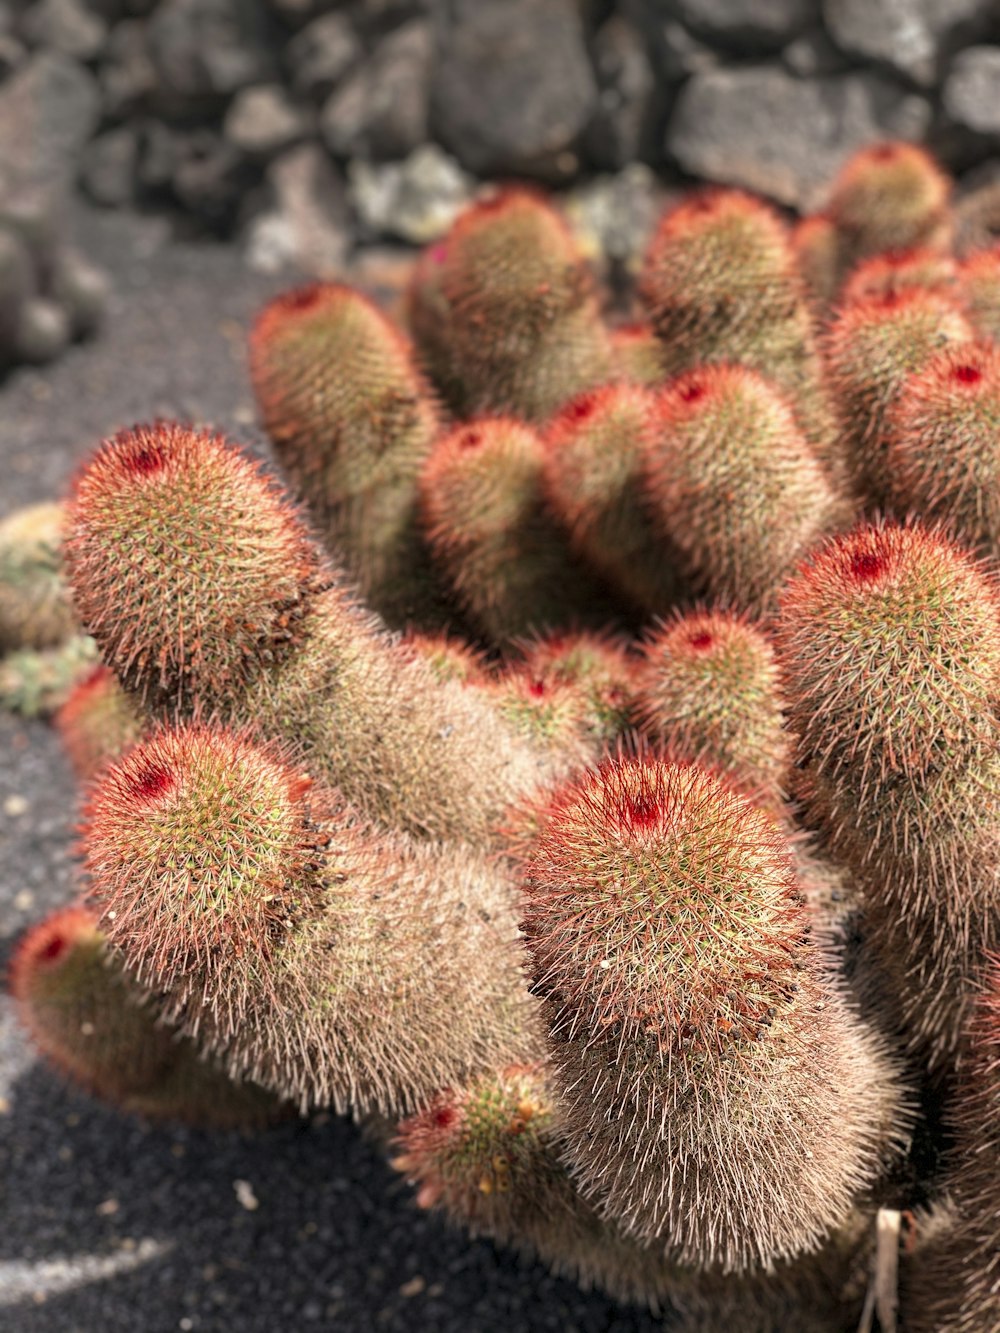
107	1225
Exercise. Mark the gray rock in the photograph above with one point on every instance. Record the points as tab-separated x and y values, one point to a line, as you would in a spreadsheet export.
321	54
43	331
415	200
971	93
109	166
17	284
306	227
512	87
760	128
69	26
910	35
204	47
48	111
82	290
614	216
673	51
762	25
210	178
261	121
159	153
126	74
813	53
12	54
380	110
623	127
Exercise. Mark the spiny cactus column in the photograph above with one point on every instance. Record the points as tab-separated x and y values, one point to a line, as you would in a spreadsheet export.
493	538
709	691
980	280
890	196
506	311
34	610
733	485
98	721
889	646
328	962
206	595
598	666
720	1099
943	444
595	449
352	422
489	1156
721	284
952	1284
872	346
900	271
100	1029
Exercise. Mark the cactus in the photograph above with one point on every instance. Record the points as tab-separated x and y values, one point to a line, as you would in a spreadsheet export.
34	610
635	926
494	540
872	347
99	1028
943	444
506	311
979	276
308	936
595	449
709	692
352	422
733	485
889	646
672	945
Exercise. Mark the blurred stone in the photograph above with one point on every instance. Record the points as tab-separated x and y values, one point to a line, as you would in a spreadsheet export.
415	200
82	290
321	54
262	120
306	226
43	331
512	87
614	216
159	153
813	53
907	34
108	167
48	111
761	25
205	47
68	26
126	73
622	129
760	128
673	51
12	54
971	93
380	110
210	178
17	284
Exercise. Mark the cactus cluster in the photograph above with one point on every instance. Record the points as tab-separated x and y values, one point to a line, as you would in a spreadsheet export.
592	766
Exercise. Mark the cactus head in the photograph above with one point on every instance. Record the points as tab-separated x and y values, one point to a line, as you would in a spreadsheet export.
226	829
943	444
817	247
733	484
891	196
889	644
980	280
598	666
479	1151
186	563
97	722
709	693
900	270
35	611
872	346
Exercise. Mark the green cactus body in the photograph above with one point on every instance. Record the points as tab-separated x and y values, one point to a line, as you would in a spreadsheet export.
889	645
818	250
328	962
733	485
709	692
943	444
102	1031
595	448
505	312
638	353
979	277
352	422
35	611
694	1026
597	665
488	527
35	682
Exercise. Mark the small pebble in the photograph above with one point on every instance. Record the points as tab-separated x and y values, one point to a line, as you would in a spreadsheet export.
245	1195
15	805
